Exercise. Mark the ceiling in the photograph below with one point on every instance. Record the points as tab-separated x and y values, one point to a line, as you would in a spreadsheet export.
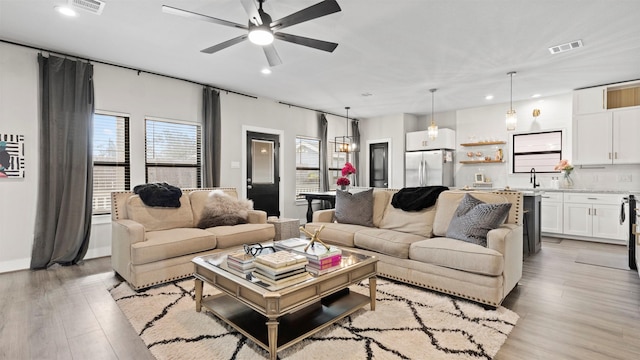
393	50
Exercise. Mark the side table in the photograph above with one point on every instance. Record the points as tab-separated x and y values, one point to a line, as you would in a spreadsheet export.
285	228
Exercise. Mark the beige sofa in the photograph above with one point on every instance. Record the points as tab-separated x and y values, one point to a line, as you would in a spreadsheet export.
412	246
151	245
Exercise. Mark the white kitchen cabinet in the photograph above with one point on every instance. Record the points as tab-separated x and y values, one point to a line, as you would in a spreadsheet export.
419	140
607	138
552	212
626	127
592	139
593	215
588	101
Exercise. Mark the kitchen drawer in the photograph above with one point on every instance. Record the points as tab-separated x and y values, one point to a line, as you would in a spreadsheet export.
551	196
593	198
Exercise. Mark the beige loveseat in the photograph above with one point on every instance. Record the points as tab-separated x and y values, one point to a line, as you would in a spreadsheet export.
152	245
412	247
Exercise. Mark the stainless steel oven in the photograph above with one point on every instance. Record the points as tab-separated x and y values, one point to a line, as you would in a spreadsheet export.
630	201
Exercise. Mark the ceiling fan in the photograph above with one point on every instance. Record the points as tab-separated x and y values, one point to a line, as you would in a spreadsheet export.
261	29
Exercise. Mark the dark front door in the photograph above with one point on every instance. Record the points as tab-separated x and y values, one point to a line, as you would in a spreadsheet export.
263	175
378	169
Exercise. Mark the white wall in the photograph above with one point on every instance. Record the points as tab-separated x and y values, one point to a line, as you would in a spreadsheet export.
556	113
391	127
18	114
137	95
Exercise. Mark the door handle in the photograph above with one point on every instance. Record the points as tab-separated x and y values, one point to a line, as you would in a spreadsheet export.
595	212
589	211
249	187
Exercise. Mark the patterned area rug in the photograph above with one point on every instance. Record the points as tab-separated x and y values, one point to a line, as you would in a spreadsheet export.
408	323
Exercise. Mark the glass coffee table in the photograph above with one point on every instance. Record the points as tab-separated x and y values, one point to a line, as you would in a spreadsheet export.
277	319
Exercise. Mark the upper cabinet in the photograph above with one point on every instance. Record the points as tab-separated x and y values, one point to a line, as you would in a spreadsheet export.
419	140
606	121
589	101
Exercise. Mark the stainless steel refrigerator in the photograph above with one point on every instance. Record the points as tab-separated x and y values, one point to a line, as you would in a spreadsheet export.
429	167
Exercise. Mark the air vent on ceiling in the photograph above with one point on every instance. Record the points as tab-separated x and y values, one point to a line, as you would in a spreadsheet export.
92	6
565	47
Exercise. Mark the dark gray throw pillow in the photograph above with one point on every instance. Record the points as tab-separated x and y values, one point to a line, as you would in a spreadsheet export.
356	208
474	218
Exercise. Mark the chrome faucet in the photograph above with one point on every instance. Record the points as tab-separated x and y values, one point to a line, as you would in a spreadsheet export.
532	178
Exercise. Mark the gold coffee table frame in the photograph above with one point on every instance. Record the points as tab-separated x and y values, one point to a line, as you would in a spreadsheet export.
278	319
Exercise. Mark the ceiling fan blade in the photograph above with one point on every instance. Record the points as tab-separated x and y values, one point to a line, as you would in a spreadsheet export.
192	15
301	40
272	55
312	12
251	9
224	45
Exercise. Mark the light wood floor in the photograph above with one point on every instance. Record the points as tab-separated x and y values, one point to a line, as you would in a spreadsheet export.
568	310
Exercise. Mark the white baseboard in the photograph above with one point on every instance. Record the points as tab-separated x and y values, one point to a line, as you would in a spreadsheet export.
15	265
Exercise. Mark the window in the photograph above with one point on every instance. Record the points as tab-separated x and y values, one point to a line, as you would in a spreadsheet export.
336	163
307	165
111	171
541	151
173	153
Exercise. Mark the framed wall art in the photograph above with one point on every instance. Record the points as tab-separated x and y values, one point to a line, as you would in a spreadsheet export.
11	156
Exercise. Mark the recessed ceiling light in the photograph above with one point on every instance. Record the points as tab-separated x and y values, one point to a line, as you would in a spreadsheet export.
266	71
65	10
535	96
488	97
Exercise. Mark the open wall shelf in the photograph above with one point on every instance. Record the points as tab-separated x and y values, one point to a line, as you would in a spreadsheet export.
484	143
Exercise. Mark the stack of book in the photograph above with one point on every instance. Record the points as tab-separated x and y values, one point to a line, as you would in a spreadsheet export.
280	269
324	265
241	261
321	260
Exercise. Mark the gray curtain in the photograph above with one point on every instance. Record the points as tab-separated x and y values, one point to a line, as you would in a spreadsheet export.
355	130
323	126
211	137
65	181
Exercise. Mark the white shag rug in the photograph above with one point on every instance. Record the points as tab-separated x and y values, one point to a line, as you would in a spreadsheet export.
408	323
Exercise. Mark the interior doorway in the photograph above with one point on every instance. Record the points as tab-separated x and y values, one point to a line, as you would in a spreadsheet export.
379	165
263	171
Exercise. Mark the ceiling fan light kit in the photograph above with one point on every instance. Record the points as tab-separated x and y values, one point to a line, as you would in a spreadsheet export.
261	30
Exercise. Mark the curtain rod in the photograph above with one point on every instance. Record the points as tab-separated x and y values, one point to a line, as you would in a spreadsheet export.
319	111
125	67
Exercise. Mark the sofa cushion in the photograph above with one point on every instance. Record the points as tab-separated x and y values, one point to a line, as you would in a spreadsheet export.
160	218
230	236
356	208
458	255
165	244
473	219
222	209
380	202
412	222
388	242
448	203
336	233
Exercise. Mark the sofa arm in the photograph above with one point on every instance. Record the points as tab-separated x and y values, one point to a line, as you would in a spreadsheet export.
257	217
124	233
324	215
507	239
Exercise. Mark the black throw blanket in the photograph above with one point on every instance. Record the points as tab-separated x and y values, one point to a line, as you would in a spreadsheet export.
159	194
416	198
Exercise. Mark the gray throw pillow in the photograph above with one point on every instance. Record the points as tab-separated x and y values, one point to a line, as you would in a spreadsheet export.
474	218
356	208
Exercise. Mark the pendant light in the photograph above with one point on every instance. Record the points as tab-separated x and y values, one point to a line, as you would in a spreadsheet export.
511	117
346	143
432	131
